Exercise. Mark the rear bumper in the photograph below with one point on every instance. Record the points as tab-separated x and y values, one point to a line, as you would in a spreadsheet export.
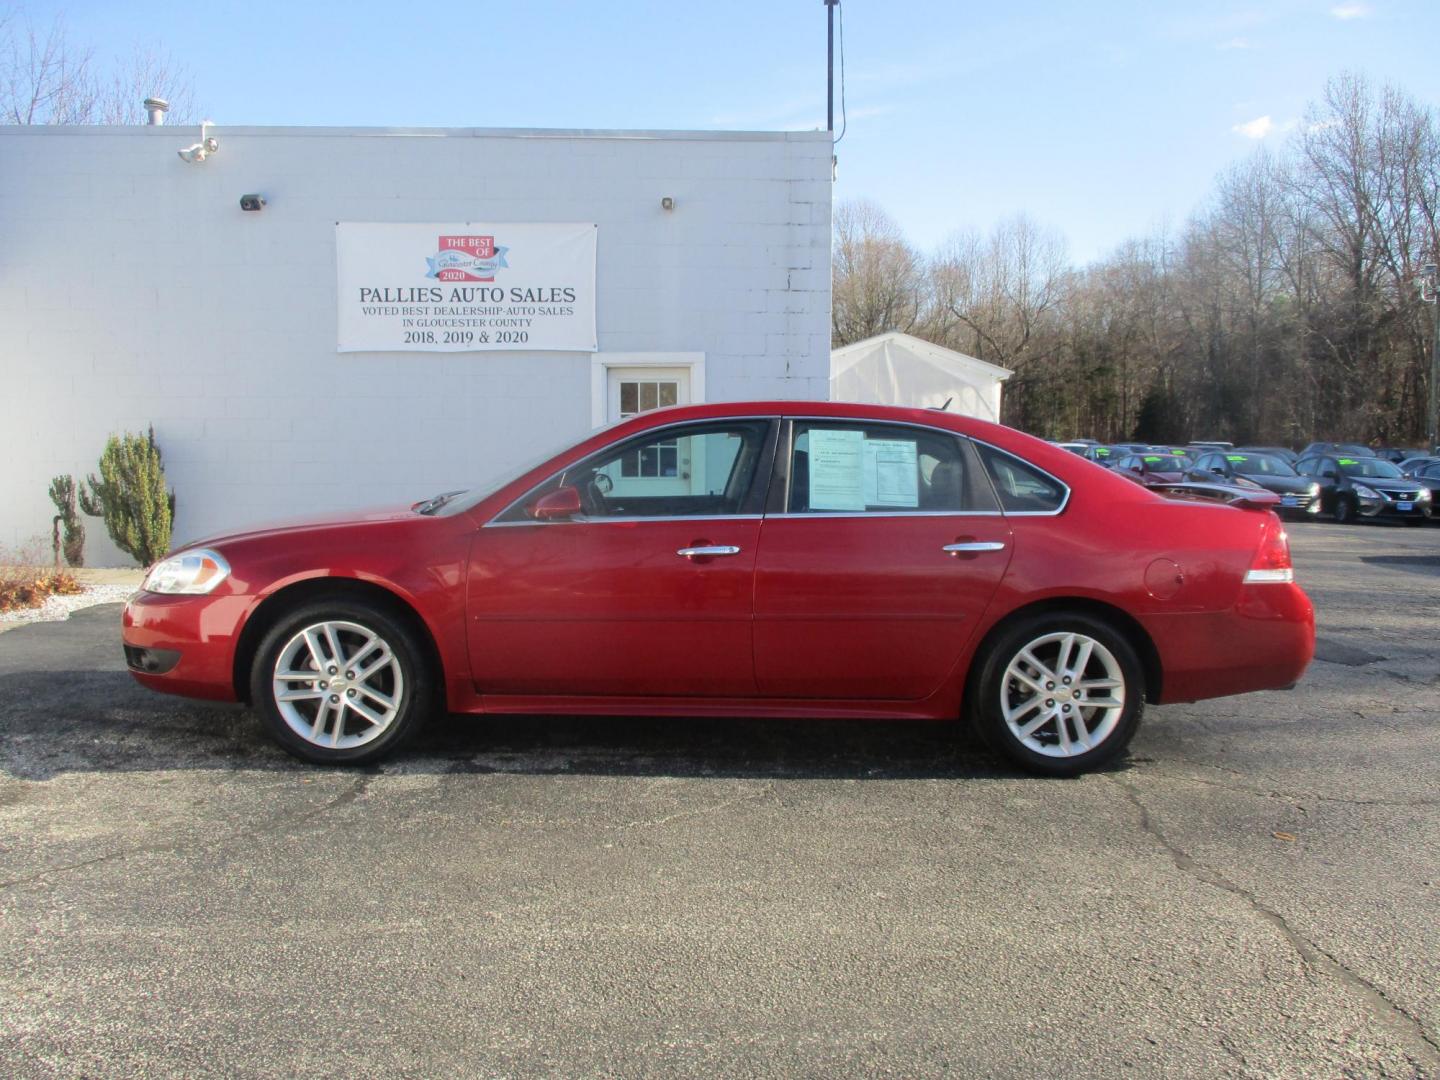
1265	642
184	644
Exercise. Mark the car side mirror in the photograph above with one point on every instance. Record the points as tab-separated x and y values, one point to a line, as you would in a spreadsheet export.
558	505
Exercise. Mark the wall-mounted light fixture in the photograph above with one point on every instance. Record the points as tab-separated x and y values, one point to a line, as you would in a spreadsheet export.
201	150
252	202
667	203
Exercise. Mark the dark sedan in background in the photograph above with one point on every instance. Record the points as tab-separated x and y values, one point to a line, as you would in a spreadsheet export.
1299	495
1352	488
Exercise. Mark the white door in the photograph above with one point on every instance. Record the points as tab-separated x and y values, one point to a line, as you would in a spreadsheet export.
664	468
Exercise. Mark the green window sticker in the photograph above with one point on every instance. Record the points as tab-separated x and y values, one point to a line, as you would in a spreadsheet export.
1348	461
1154	459
1239	458
1102	452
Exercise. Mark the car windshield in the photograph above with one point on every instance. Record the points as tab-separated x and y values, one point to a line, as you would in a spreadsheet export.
1259	465
1373	467
465	500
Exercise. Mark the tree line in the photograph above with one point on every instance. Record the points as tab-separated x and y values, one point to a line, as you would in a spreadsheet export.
1285	310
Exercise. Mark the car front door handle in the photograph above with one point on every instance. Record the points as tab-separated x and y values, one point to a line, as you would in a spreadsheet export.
969	547
708	551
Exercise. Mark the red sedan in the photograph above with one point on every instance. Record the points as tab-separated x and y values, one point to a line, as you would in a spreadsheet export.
760	559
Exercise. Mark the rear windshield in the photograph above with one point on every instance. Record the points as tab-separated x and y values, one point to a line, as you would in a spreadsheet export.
1259	465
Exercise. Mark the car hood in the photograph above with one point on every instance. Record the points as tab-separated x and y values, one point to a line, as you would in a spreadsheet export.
337	519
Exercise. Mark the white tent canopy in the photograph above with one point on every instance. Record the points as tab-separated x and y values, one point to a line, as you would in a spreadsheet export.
897	369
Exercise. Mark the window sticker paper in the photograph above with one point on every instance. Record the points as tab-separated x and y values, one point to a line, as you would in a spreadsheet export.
892	473
836	469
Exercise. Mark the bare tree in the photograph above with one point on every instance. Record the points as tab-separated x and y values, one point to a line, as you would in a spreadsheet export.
878	278
46	77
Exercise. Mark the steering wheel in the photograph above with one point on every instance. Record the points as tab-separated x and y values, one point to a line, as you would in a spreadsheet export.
592	494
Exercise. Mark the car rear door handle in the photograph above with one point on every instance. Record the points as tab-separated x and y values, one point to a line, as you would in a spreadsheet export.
708	551
971	546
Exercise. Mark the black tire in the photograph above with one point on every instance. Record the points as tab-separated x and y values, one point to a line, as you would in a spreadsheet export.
410	673
1344	510
987	687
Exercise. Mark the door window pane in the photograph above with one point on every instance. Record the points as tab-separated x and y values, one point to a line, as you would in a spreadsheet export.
705	469
1022	487
879	468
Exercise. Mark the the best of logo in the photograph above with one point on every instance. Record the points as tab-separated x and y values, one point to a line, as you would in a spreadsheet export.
467	258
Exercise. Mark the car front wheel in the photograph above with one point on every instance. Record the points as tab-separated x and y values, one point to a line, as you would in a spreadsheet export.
341	682
1344	511
1059	693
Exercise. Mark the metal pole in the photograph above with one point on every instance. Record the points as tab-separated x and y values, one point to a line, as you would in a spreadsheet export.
1432	418
1429	283
830	65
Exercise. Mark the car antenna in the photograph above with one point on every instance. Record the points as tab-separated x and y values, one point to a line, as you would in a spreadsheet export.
943	408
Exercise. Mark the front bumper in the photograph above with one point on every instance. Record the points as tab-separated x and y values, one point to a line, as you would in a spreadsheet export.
184	644
1403	509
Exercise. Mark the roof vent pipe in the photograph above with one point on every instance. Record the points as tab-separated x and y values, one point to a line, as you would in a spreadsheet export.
155	110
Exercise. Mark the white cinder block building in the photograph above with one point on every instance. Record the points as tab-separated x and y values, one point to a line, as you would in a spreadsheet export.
134	290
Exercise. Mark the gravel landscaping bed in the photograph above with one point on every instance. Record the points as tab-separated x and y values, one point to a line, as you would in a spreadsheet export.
56	608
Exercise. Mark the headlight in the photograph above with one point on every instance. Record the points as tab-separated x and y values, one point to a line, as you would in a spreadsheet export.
1314	491
191	573
1424	496
1366	492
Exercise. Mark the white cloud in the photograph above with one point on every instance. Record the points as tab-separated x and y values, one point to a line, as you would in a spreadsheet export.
1255	129
1237	43
1350	11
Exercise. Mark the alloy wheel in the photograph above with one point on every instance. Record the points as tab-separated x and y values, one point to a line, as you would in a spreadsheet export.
338	685
1063	694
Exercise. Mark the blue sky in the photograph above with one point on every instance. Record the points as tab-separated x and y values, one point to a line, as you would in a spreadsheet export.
1104	119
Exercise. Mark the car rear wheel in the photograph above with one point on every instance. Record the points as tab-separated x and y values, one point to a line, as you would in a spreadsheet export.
1344	511
341	682
1059	693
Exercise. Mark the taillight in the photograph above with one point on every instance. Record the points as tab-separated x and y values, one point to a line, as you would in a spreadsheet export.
1271	564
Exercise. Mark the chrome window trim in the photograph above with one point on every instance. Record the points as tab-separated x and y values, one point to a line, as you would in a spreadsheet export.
808	515
582	520
1029	464
496	523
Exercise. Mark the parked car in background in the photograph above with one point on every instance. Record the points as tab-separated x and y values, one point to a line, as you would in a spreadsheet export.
1284	453
1396	455
1415	465
813	559
1429	475
1104	455
1075	447
1299	496
1333	448
1352	488
1154	466
1209	444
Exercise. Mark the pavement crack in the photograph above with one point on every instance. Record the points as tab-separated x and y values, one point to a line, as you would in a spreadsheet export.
356	789
1419	1043
1294	798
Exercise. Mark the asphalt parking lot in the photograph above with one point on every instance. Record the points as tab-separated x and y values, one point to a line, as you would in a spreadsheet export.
1255	892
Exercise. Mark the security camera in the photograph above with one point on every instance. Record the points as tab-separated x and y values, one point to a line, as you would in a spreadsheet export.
252	202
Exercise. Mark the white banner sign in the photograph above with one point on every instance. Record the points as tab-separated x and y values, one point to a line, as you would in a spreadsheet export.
467	287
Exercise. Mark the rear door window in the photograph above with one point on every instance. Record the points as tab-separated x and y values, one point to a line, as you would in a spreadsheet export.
850	467
1021	487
